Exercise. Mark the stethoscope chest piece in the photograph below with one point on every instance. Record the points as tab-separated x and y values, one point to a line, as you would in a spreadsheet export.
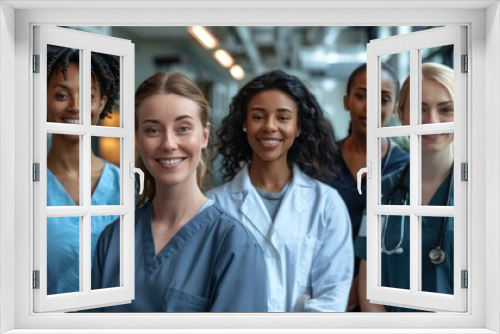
437	255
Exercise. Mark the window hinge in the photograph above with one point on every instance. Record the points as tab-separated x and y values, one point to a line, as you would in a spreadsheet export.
36	279
465	279
465	64
464	171
36	63
36	172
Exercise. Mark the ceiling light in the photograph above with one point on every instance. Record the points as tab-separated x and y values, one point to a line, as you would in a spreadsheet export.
237	72
204	37
224	58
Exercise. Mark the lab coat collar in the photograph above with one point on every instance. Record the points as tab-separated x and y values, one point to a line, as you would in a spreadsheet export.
293	203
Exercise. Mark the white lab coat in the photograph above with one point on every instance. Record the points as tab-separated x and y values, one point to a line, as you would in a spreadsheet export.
308	248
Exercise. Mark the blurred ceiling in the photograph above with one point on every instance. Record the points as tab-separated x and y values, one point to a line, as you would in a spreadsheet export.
323	52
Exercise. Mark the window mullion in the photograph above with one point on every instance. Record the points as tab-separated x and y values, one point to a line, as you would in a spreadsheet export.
85	167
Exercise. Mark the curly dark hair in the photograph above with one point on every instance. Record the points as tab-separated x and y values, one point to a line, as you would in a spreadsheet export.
315	151
105	69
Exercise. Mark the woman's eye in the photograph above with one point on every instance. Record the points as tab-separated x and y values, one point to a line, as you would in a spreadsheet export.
62	97
360	96
152	131
184	128
446	110
284	118
258	117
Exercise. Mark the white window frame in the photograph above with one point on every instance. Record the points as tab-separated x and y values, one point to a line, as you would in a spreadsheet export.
415	297
86	43
483	20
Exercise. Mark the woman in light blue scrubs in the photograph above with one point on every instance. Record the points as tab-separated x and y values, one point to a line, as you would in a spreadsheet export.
278	149
63	160
190	255
437	189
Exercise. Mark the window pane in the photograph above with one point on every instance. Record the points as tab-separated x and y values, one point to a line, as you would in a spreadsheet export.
63	254
105	90
394	69
394	162
437	169
104	279
437	85
105	179
396	252
437	254
63	85
63	170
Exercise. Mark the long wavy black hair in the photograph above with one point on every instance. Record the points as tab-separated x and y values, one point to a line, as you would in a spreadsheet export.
315	151
105	69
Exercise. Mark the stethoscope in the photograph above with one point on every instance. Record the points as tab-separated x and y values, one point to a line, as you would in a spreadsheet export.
437	255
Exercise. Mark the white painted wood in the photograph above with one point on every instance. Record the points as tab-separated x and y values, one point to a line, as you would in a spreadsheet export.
484	134
414	298
86	298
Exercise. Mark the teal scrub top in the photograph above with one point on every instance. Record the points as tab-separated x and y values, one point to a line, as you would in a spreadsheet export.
63	233
396	267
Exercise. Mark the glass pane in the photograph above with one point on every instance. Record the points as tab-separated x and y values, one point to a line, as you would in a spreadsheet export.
437	169
105	90
394	69
63	254
63	170
63	85
395	234
395	184
105	251
437	254
437	85
105	179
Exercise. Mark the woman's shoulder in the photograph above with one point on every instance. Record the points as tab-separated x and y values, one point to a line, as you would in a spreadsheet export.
225	224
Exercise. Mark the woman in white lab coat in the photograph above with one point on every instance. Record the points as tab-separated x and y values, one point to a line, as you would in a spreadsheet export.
278	149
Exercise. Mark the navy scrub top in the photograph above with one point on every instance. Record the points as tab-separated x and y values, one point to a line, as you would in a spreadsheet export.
347	187
213	264
396	267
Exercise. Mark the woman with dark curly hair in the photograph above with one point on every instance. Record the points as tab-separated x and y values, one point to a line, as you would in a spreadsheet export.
278	149
63	160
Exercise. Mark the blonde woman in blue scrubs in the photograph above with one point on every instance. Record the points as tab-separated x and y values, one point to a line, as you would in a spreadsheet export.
190	255
278	150
437	189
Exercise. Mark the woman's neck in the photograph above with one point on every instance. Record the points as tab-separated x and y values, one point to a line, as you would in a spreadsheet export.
176	205
436	166
64	155
270	177
356	144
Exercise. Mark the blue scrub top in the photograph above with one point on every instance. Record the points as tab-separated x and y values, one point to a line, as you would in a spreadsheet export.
396	267
346	184
213	264
63	233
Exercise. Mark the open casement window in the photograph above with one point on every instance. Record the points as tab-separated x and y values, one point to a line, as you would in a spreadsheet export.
426	227
70	211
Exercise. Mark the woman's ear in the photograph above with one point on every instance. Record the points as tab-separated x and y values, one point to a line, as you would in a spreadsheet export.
102	103
206	136
346	103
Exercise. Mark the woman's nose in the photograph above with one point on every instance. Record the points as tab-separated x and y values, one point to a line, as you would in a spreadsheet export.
169	142
430	117
270	125
75	104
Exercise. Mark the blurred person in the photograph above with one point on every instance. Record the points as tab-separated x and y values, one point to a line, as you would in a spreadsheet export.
437	189
353	149
63	160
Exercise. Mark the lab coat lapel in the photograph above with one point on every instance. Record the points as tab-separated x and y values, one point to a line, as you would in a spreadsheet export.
295	200
251	206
